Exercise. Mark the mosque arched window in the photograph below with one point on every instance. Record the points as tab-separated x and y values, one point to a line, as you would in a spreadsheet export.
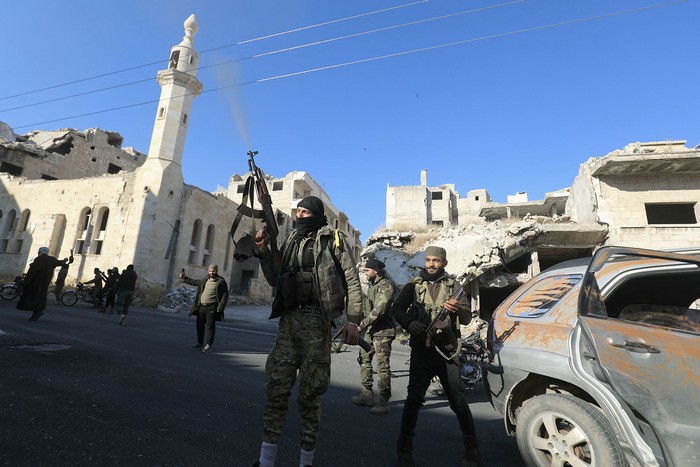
82	241
208	245
194	242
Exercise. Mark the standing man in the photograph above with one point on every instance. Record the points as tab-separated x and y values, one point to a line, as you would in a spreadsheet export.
209	304
36	282
111	288
381	328
61	279
417	305
315	278
126	286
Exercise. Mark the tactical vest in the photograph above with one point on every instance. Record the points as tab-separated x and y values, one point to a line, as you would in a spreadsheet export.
432	304
446	342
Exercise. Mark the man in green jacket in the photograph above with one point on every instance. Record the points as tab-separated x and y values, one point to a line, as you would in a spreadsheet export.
209	304
381	328
316	282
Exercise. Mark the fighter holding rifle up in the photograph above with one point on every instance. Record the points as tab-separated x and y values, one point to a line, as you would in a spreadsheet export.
316	282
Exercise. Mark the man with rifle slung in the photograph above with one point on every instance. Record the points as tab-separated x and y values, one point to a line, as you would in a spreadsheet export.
419	307
316	282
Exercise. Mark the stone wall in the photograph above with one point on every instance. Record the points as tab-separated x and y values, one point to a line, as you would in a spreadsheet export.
622	203
70	154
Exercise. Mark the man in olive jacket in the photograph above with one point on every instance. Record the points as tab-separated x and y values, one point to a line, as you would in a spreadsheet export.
380	326
315	278
209	304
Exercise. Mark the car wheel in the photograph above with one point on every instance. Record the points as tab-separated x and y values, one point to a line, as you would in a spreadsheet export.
69	298
557	430
9	292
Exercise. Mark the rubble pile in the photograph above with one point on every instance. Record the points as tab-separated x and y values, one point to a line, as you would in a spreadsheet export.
476	247
179	300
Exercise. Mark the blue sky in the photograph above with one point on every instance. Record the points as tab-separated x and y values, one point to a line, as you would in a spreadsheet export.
508	111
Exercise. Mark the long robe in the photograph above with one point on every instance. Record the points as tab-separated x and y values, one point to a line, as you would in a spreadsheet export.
36	283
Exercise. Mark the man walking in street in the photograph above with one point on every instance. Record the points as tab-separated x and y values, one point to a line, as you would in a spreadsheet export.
126	286
209	305
314	275
380	326
417	305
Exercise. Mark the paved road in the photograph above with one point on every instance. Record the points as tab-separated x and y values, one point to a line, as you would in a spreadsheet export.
77	389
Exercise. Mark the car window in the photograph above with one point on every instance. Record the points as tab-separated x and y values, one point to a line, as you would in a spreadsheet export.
674	317
542	296
656	292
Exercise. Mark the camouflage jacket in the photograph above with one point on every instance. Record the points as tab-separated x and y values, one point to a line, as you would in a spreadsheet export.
335	276
377	319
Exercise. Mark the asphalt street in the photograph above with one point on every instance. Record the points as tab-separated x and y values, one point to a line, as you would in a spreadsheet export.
78	389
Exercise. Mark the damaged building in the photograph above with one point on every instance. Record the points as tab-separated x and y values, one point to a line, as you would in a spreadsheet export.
645	195
114	206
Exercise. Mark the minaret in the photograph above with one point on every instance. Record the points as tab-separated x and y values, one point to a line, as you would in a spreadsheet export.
179	86
159	183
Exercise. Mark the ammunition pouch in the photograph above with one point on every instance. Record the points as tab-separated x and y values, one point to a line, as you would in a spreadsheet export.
287	290
304	287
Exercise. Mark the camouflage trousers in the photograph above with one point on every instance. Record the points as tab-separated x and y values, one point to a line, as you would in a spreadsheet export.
382	350
303	345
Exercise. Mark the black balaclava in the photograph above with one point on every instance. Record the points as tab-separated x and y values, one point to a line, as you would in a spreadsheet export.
307	225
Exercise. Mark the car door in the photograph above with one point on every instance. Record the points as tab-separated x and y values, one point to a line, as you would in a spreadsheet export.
649	351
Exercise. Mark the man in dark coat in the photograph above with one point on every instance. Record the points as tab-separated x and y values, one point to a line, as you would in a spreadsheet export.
36	283
209	304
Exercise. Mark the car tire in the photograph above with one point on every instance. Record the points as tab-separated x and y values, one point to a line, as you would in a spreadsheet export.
69	298
562	430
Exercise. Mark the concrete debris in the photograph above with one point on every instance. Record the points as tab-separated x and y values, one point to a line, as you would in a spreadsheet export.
476	247
179	300
182	298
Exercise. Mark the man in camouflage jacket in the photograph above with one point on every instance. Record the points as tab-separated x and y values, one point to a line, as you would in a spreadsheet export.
381	328
316	282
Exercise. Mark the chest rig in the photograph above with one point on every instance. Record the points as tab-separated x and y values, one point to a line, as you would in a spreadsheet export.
306	293
430	299
433	304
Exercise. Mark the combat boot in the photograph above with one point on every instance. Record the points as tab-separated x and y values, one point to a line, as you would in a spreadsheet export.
404	452
471	451
366	397
381	407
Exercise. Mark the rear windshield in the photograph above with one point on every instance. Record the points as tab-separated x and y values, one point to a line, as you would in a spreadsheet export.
542	296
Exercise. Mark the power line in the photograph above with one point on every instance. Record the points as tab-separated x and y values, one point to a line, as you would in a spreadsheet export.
347	18
380	57
274	52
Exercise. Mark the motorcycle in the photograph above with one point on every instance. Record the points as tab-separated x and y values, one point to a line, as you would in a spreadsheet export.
473	355
12	291
71	297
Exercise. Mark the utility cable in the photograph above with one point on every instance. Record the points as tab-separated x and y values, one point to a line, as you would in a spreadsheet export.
274	52
216	48
381	57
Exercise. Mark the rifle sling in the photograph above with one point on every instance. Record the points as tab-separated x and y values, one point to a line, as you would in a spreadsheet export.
244	210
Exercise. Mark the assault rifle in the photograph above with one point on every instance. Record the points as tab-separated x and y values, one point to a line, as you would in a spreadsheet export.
366	346
438	324
255	183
